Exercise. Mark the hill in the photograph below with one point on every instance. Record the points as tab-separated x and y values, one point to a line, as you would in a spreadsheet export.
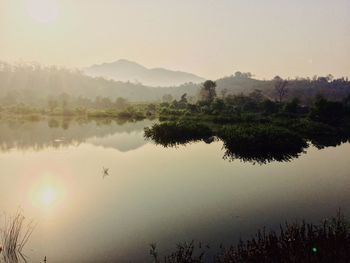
34	84
128	71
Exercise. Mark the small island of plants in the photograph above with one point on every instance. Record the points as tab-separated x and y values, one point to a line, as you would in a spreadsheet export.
253	127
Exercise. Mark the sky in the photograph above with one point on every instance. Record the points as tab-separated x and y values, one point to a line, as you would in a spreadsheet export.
211	38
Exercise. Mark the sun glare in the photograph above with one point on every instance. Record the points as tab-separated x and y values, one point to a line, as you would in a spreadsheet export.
48	196
47	191
43	11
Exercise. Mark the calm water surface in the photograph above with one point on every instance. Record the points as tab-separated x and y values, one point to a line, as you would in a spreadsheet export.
52	171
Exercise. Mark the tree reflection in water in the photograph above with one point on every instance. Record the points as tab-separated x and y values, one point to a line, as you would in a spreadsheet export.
257	143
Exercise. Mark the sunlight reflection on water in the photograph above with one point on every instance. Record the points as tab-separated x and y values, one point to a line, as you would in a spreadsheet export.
48	190
152	194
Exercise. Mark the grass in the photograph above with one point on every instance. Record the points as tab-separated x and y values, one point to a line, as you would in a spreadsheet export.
293	243
14	236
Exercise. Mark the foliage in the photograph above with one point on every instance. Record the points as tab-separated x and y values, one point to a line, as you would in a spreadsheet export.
207	92
175	133
302	242
261	143
280	87
255	129
331	112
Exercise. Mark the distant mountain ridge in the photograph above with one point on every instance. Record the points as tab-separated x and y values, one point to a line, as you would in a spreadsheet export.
125	70
33	84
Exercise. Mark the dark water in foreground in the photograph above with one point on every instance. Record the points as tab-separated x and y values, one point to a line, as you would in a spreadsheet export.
53	172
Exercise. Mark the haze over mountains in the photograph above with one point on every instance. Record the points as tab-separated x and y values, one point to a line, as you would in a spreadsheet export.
125	70
32	84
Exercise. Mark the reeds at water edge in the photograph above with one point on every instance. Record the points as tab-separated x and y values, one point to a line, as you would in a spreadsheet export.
300	242
14	235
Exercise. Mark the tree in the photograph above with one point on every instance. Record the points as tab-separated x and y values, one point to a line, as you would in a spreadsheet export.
244	75
218	105
183	99
224	93
280	87
269	106
121	103
238	74
167	98
331	112
256	95
151	109
346	103
106	103
208	91
292	106
330	77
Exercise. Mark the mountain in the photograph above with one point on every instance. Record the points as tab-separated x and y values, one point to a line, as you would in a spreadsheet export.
124	70
33	84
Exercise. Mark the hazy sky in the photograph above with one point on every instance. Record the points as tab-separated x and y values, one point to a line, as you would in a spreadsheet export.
211	38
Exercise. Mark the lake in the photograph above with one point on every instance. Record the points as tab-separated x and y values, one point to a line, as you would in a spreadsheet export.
52	171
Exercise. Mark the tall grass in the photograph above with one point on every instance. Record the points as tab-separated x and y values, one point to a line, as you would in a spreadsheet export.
293	243
14	236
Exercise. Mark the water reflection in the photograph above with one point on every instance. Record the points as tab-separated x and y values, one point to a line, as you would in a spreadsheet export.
153	194
246	154
60	132
331	140
256	147
47	190
249	143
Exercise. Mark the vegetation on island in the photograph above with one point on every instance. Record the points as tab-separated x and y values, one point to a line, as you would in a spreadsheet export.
253	127
257	120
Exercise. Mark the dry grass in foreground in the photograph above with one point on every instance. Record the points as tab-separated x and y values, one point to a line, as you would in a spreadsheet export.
14	236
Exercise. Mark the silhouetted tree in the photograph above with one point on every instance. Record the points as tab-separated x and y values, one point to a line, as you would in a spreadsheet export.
245	75
208	91
280	87
330	77
184	99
